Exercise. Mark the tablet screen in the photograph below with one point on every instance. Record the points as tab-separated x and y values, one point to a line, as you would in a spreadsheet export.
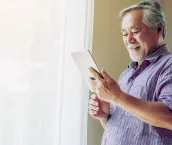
84	61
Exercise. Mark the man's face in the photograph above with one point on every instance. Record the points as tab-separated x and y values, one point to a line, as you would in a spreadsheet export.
138	38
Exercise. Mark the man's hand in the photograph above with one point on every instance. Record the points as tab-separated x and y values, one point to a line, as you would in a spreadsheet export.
99	109
106	88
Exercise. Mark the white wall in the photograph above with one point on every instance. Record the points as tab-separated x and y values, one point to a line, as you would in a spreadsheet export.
168	11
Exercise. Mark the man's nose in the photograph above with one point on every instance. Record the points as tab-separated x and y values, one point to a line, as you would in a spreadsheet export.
130	38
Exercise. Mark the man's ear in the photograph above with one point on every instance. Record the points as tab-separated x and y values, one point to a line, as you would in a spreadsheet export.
159	29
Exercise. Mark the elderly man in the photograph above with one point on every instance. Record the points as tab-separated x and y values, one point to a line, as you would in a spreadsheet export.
138	109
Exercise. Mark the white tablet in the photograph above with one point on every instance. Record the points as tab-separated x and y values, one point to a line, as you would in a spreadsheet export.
84	61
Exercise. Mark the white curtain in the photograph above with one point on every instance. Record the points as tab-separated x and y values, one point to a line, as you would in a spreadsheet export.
43	99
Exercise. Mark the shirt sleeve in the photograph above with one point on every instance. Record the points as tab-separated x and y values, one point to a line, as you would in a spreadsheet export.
164	87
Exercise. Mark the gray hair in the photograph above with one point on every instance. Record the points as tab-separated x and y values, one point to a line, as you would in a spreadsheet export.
152	14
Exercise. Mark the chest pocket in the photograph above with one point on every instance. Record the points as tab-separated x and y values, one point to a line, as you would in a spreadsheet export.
139	88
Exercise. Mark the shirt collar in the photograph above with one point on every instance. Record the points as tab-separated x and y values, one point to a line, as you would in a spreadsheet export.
153	57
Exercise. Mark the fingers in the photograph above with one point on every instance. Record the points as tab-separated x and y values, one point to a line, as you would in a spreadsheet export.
93	110
93	105
92	85
100	81
93	102
94	97
95	74
105	75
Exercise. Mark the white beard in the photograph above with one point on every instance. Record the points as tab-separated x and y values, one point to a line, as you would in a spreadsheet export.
134	55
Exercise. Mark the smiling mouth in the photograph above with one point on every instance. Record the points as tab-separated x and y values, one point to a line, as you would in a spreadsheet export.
134	48
137	47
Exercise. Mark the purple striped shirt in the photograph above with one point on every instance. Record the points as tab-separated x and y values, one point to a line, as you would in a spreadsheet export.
152	81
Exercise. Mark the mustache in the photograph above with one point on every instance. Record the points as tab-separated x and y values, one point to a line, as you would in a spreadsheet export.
132	45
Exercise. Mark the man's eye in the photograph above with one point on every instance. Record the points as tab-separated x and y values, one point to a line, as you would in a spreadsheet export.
125	35
135	32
